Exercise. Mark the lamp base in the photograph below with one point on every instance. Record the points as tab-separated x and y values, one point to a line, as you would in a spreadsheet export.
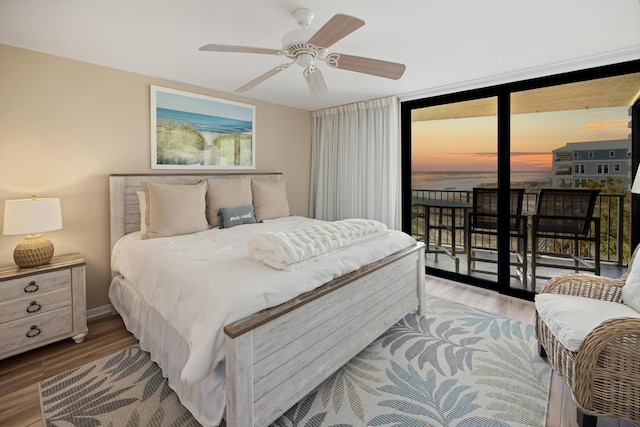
33	251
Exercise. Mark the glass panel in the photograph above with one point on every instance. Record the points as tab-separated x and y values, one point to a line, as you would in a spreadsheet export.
454	150
575	136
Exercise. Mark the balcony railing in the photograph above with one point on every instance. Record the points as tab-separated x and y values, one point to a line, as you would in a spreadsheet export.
610	208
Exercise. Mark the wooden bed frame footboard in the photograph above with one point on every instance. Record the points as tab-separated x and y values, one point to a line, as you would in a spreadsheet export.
275	357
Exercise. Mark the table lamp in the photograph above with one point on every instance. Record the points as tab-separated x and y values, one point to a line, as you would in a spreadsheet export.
31	217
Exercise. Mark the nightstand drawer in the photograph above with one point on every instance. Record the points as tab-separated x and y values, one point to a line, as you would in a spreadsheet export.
31	331
34	284
43	304
35	304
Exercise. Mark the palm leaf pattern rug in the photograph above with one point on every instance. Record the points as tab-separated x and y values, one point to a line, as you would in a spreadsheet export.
454	367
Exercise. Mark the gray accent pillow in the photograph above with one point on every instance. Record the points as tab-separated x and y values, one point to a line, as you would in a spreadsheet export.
237	216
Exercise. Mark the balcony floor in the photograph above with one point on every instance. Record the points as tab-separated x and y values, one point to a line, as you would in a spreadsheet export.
446	263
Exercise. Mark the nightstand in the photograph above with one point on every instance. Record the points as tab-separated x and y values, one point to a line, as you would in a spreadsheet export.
41	305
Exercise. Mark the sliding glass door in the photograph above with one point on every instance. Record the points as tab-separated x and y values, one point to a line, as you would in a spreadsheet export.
476	163
454	151
576	136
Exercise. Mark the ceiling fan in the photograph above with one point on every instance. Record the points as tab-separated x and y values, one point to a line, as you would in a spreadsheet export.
307	47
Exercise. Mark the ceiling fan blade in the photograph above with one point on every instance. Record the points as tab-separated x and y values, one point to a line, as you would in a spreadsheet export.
262	78
335	29
376	67
241	49
315	81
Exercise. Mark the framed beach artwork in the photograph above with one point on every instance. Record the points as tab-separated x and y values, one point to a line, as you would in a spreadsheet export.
193	131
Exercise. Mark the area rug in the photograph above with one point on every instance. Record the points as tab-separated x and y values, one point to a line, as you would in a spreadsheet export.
455	366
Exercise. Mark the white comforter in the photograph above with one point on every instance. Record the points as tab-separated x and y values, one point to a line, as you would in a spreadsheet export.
293	249
203	281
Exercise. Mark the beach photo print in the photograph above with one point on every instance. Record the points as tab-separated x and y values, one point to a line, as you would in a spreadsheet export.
193	131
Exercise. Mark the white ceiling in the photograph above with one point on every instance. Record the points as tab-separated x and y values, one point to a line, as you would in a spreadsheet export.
445	44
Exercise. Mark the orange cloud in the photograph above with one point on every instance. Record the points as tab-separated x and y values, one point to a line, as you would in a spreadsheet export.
603	125
523	161
520	161
464	155
521	157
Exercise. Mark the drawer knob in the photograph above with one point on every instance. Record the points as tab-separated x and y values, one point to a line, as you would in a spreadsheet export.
33	307
31	287
33	332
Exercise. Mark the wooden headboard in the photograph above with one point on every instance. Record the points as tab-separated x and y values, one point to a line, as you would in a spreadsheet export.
124	208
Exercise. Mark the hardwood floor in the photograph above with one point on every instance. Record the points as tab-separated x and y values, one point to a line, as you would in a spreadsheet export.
20	375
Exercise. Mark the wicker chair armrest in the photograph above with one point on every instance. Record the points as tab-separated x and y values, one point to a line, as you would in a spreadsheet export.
586	285
614	345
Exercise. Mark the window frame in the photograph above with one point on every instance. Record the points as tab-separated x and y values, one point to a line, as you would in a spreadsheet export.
503	92
602	168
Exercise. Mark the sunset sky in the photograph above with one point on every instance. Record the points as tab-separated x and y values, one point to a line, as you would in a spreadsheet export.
469	144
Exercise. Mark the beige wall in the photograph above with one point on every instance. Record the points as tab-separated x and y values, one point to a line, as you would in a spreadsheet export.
66	125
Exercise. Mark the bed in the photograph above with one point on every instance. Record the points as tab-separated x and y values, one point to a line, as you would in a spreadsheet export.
274	356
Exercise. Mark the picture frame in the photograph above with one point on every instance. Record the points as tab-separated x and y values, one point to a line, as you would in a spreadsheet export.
194	131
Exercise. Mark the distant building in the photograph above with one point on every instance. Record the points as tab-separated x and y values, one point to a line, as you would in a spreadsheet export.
579	162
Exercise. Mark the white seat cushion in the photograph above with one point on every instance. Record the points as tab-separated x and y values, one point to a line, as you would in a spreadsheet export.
571	318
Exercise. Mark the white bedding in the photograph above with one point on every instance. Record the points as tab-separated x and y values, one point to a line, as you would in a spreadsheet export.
293	249
200	282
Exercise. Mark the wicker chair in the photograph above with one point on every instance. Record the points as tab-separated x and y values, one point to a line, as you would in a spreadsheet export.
604	374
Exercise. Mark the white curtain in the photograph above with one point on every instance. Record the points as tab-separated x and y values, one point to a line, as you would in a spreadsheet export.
355	162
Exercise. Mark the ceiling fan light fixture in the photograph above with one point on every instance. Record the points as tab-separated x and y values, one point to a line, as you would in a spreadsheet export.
305	59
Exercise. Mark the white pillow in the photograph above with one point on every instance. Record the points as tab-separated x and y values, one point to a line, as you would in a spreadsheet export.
174	209
142	205
631	288
269	199
227	193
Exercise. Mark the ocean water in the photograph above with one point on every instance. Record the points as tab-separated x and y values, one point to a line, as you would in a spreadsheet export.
467	180
205	123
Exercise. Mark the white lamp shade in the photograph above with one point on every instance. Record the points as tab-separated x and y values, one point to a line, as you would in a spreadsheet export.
31	216
635	188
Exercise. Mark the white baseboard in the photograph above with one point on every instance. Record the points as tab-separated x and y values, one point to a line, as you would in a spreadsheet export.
101	311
